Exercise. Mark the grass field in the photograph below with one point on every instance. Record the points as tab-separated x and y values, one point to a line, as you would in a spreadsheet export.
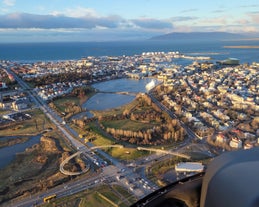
127	154
100	139
35	125
61	103
127	124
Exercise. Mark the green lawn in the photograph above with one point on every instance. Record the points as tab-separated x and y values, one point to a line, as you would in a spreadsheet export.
127	124
127	153
35	125
93	201
61	103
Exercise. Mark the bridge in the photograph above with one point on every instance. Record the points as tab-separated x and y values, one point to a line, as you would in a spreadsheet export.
64	162
120	92
66	172
164	152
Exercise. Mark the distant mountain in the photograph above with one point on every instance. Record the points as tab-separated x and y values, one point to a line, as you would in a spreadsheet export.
199	36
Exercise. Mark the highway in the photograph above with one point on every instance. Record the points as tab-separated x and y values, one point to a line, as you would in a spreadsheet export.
109	175
124	174
66	189
118	172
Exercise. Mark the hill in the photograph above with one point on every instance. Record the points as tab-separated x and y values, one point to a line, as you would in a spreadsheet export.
199	36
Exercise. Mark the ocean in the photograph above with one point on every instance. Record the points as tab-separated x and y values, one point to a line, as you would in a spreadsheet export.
32	52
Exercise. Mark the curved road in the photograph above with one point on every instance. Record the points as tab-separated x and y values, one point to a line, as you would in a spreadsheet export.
64	162
118	168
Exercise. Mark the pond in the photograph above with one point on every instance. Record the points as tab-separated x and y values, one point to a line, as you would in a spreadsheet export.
107	96
7	154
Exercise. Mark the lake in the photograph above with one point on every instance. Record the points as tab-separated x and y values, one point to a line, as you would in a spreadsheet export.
7	154
107	98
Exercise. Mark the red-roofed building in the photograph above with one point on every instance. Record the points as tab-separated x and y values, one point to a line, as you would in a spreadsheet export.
221	138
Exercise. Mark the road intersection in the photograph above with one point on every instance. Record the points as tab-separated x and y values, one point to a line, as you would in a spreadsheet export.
118	172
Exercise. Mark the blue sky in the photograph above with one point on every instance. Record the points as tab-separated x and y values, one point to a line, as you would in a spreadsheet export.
105	20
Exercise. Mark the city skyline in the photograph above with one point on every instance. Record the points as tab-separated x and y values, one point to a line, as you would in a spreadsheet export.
60	20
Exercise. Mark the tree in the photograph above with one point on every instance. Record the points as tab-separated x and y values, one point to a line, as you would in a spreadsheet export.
176	135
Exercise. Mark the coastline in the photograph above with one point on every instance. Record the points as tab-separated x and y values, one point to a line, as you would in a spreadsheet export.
56	52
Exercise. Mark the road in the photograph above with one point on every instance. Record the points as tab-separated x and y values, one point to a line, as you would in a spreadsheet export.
48	111
118	172
190	133
66	189
109	175
125	175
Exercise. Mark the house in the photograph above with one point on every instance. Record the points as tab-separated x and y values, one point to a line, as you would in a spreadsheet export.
6	103
235	143
248	146
20	104
2	85
221	138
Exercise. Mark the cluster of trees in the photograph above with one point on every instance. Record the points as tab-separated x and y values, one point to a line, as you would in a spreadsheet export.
224	145
163	129
165	133
72	108
83	122
166	130
112	117
81	92
147	116
61	77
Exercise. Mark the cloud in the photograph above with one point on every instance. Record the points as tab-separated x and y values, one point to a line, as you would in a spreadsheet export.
189	10
24	20
223	20
242	21
235	28
77	12
250	6
255	17
57	35
9	2
152	23
183	18
57	20
219	11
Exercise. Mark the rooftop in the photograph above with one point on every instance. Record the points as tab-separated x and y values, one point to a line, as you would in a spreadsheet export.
189	167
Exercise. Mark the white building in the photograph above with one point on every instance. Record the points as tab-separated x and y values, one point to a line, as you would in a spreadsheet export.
19	105
235	143
248	146
189	167
221	138
3	85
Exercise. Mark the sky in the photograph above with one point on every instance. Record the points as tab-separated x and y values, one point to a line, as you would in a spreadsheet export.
111	20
